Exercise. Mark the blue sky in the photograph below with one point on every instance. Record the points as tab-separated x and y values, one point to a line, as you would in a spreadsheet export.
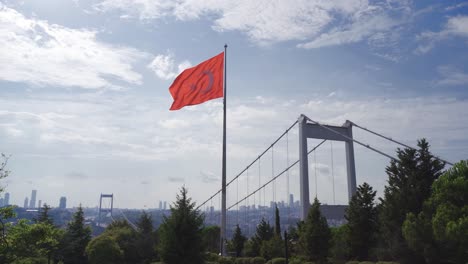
84	91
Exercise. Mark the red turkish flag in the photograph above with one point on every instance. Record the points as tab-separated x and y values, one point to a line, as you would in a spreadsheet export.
198	84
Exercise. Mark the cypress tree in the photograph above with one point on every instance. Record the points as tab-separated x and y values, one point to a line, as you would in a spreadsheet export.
238	241
277	223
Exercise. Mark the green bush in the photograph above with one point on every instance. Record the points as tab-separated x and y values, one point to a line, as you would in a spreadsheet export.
242	261
366	262
352	262
278	261
257	260
213	257
226	260
386	262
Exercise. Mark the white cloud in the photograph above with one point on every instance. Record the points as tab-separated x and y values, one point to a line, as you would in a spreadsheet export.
41	53
323	23
451	76
455	27
164	66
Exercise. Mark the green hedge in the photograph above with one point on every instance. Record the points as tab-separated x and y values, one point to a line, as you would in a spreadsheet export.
278	261
257	260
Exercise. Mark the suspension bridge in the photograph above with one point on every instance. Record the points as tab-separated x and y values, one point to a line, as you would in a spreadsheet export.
247	209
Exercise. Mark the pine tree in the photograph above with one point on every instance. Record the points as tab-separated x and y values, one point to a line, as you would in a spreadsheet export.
277	223
145	238
77	236
264	232
238	241
181	233
409	184
315	235
43	215
362	222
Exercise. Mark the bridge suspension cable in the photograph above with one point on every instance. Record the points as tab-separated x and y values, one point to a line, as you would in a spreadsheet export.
274	178
352	139
395	141
253	162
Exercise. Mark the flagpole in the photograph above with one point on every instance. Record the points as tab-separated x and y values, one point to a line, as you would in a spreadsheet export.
223	182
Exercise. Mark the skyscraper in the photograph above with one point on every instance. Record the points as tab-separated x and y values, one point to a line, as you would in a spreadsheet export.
291	200
160	205
63	202
32	203
1	202
6	200
39	204
26	200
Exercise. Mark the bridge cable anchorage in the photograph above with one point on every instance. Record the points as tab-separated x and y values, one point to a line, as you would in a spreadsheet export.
258	158
281	173
352	139
395	141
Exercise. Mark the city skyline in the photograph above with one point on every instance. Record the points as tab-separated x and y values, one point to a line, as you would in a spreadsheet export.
84	100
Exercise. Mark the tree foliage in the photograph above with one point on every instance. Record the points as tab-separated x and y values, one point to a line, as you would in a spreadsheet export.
264	232
440	231
315	235
238	241
181	233
409	185
211	236
362	222
104	250
146	239
76	237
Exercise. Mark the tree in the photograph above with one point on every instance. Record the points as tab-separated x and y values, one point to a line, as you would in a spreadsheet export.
104	250
6	212
315	235
34	241
440	231
77	236
145	238
211	236
264	232
126	238
43	215
238	241
277	222
362	222
409	184
181	233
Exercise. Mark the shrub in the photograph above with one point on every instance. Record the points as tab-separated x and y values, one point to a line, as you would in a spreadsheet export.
226	260
352	262
257	260
213	257
278	261
386	262
366	262
242	261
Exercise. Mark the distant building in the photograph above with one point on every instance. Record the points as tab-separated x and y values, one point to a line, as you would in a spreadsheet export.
39	204
291	200
160	205
6	200
26	200
63	202
1	202
165	204
32	202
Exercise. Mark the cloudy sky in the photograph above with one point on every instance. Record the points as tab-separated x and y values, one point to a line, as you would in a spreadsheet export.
84	92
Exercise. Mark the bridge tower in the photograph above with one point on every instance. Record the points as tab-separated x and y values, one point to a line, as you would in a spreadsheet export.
319	131
105	209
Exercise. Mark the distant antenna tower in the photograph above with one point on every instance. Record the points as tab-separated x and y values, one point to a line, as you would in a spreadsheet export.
105	210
